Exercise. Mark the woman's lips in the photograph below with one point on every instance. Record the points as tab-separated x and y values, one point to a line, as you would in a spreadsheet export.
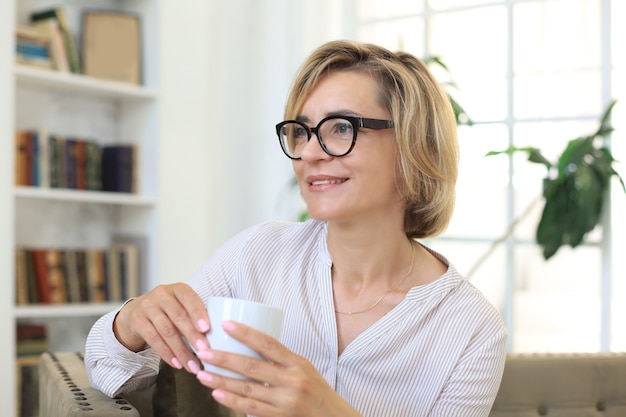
327	182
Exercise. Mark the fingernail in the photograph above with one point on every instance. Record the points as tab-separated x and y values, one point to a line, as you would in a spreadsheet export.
176	363
205	355
193	366
203	325
228	325
201	344
204	376
218	395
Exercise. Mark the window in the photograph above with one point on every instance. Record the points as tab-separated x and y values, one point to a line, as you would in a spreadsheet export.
529	73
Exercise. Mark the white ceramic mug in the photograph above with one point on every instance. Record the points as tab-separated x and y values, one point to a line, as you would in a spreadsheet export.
265	318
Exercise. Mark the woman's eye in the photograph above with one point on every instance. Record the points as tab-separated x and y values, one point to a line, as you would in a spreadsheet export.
300	132
343	128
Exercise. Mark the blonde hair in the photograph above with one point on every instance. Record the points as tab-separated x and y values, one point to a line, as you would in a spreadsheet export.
425	126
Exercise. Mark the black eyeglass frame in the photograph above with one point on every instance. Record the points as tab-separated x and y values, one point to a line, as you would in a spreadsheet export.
357	123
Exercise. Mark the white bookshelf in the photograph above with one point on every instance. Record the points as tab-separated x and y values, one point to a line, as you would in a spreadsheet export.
80	106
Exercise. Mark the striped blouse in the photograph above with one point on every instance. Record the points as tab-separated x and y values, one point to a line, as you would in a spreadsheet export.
440	352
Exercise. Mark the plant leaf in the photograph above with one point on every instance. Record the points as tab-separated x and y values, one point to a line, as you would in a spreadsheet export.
549	234
534	154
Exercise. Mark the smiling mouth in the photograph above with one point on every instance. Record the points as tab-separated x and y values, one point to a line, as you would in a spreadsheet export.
326	182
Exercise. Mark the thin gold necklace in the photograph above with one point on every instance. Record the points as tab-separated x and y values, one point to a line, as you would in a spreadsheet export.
408	272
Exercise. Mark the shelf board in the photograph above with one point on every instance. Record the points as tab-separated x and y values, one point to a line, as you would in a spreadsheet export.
64	310
69	82
81	196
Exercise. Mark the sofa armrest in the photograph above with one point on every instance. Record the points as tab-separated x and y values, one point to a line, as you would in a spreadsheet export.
64	390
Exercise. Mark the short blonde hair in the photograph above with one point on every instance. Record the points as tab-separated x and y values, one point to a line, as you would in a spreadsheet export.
425	126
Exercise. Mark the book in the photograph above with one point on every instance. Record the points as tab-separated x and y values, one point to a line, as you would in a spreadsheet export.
32	47
93	168
21	158
27	379
38	258
112	46
72	280
57	290
81	269
21	277
81	178
43	158
71	163
118	164
71	49
127	255
113	275
95	276
60	157
31	339
50	27
31	277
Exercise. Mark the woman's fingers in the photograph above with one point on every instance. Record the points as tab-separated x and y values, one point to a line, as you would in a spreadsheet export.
164	319
262	343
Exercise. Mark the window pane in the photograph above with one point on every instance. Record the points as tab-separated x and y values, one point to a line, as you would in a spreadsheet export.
403	34
449	4
553	95
379	9
557	303
557	57
481	188
557	35
473	46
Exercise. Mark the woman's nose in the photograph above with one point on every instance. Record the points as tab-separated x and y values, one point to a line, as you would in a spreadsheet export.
313	149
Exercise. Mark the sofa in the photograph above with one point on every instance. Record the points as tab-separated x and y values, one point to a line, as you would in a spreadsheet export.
554	385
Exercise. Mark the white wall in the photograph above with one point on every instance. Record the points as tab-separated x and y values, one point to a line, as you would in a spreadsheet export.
225	70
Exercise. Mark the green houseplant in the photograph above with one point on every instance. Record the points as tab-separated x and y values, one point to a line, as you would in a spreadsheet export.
574	188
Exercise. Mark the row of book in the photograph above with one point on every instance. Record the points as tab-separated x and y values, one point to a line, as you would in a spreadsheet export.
111	44
59	276
50	160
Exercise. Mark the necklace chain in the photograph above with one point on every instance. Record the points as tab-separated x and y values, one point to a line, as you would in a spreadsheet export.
395	287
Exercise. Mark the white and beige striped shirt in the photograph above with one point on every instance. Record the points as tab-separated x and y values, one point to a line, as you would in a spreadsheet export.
440	352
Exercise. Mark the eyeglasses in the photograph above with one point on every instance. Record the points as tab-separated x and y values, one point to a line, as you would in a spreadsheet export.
335	134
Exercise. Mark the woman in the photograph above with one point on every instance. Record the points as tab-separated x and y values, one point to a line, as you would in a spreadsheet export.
375	324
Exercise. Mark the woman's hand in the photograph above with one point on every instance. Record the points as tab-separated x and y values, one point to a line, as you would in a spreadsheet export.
289	384
160	319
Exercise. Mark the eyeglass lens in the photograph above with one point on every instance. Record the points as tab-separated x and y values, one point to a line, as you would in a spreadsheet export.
335	134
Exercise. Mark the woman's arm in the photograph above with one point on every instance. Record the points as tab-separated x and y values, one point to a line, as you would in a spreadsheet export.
473	384
124	347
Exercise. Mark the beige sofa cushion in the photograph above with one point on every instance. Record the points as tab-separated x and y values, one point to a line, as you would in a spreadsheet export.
562	385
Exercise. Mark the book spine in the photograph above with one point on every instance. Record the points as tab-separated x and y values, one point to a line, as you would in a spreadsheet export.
61	164
56	276
93	168
81	269
72	284
21	278
70	164
21	157
81	176
41	275
118	168
43	160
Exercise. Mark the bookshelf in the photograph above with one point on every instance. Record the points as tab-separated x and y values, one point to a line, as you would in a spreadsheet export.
106	111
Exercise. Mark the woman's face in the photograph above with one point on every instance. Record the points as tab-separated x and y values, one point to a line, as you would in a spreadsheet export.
362	184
